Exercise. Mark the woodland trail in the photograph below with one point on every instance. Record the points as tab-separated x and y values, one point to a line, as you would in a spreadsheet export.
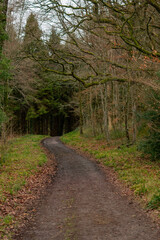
83	205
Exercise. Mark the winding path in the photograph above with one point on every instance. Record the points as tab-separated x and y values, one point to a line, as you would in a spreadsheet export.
83	204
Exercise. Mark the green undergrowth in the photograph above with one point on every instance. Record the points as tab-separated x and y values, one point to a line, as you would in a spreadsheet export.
23	158
141	174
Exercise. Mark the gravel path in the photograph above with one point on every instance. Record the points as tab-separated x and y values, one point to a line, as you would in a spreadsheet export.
83	204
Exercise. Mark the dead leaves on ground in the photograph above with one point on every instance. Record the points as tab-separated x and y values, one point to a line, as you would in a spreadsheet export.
19	208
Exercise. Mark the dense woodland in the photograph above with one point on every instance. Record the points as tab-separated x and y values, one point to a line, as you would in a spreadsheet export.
96	65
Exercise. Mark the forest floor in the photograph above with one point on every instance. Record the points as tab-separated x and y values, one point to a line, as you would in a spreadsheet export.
83	202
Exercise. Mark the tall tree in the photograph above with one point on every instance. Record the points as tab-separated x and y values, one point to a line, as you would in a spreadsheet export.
3	21
32	35
4	70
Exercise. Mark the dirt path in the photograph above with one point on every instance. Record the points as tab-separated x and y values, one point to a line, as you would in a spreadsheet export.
82	204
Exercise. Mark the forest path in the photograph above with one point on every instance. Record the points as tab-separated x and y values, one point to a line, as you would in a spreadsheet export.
83	204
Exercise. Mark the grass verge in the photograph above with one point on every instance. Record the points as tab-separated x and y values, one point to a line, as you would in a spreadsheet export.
140	174
21	172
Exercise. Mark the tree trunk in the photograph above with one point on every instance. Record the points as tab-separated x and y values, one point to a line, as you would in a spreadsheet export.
3	17
134	124
105	110
92	114
126	114
80	111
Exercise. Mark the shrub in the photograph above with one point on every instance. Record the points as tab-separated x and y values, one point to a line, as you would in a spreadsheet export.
155	201
151	144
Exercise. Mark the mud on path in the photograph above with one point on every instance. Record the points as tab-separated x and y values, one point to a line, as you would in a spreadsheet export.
83	205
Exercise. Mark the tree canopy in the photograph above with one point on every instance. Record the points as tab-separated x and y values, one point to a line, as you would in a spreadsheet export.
97	65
